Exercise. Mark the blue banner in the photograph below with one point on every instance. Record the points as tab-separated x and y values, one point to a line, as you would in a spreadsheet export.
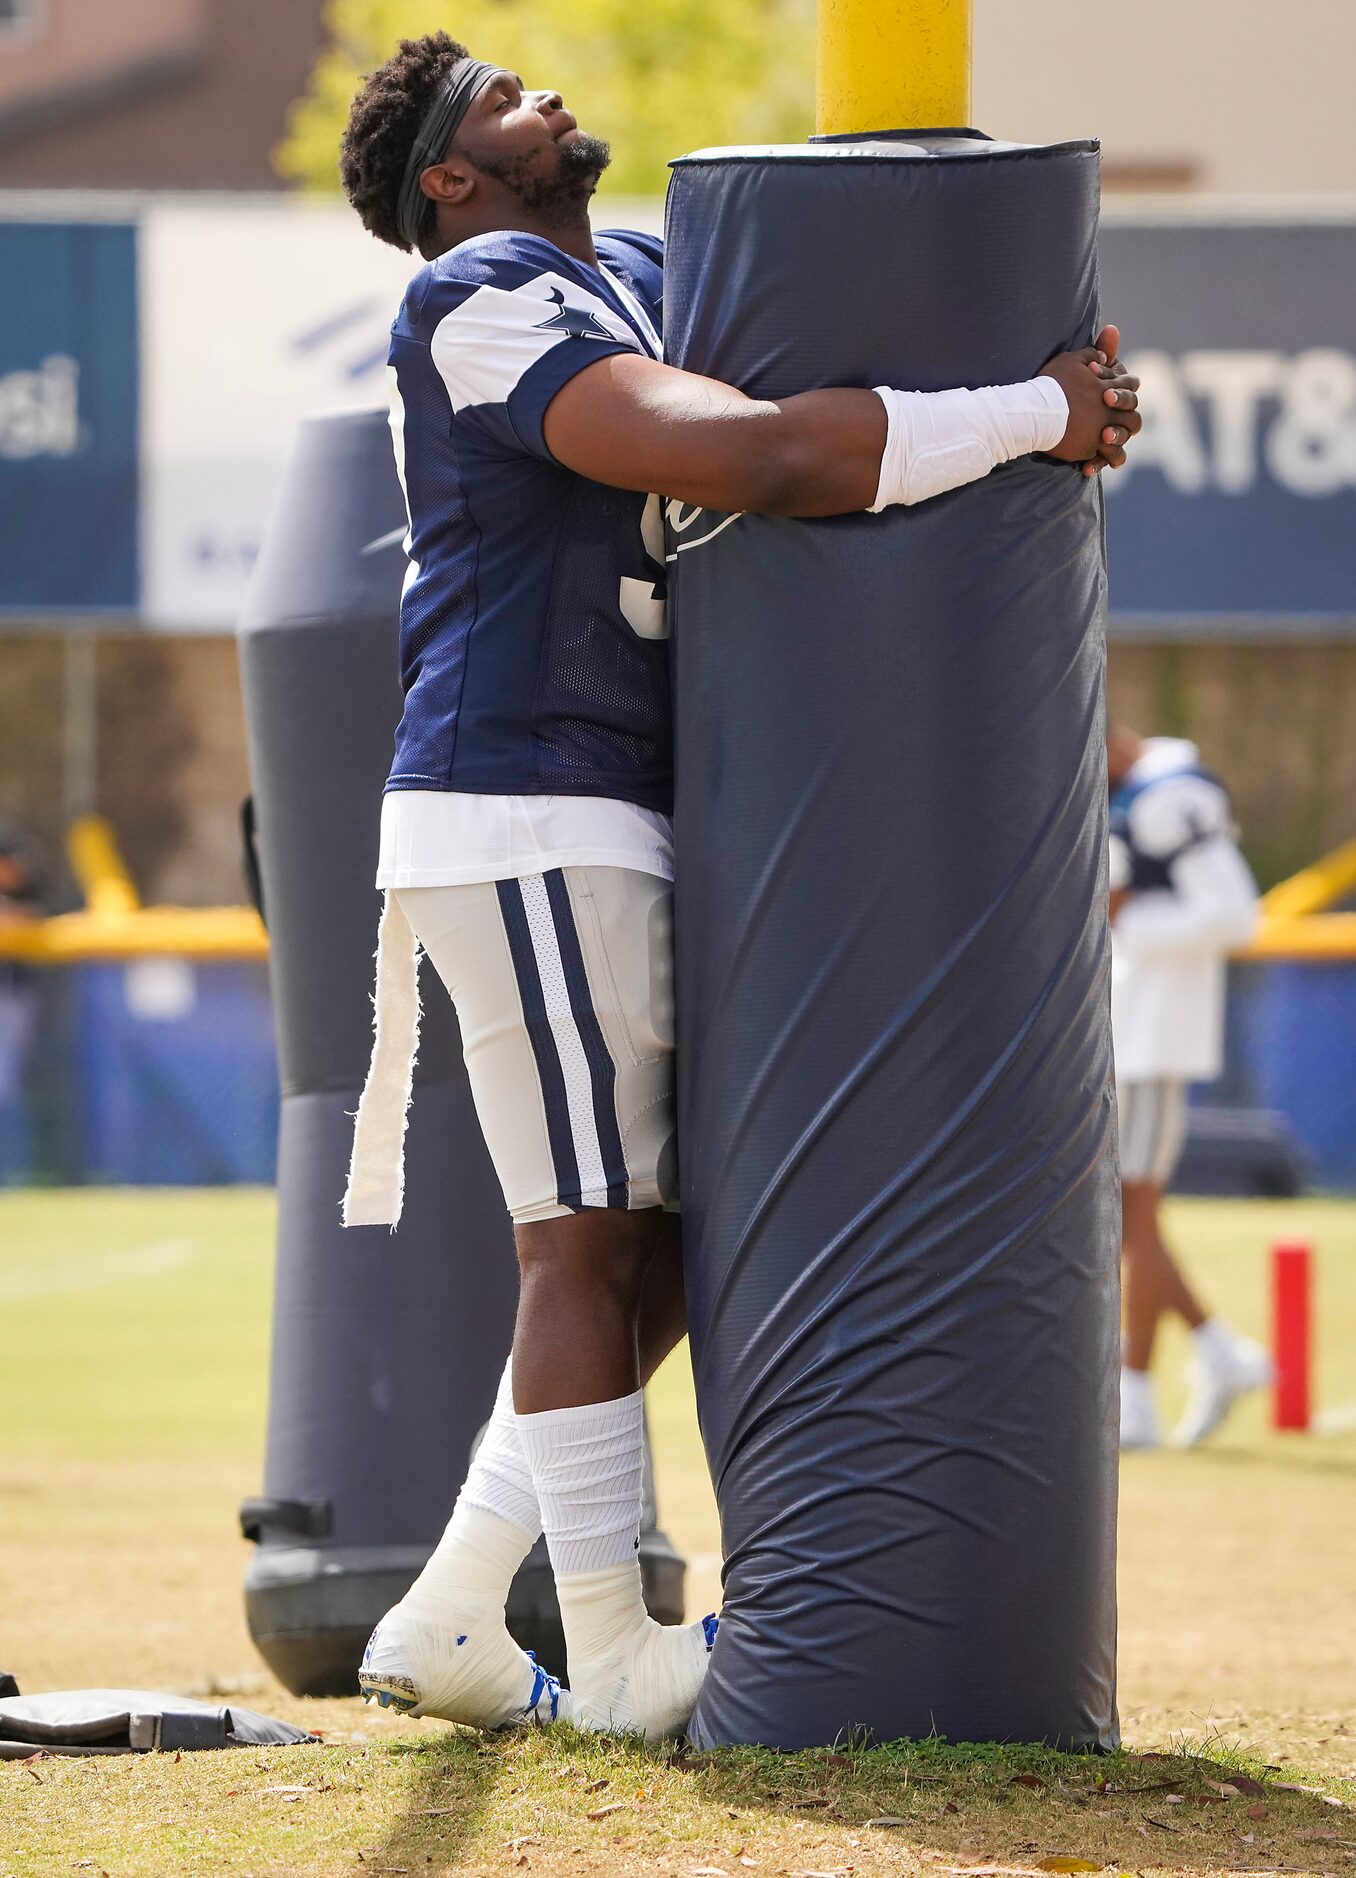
1236	517
1237	513
69	395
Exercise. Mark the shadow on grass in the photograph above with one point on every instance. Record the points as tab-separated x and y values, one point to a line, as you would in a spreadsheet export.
456	1777
533	1798
1023	1807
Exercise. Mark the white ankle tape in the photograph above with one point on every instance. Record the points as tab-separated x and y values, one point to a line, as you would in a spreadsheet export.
476	1559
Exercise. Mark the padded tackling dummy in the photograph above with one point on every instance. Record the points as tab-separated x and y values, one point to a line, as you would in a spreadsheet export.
900	1193
387	1348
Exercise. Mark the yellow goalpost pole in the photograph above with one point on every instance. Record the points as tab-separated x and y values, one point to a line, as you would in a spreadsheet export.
892	65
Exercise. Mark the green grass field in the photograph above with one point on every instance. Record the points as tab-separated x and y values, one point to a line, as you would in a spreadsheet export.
132	1408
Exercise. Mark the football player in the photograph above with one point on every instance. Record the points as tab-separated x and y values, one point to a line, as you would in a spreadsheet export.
1182	900
526	841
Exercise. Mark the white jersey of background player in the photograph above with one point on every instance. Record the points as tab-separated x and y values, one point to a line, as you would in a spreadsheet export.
1182	899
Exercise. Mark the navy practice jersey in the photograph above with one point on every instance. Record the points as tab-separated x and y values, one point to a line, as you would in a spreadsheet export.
1158	817
532	635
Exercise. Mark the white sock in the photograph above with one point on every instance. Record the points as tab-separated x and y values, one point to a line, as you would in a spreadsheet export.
500	1478
1214	1340
1137	1389
587	1465
627	1673
1139	1412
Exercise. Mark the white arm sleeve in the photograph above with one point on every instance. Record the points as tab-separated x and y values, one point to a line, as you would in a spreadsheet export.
937	440
1212	907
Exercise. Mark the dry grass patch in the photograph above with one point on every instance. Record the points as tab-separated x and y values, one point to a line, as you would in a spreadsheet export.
443	1801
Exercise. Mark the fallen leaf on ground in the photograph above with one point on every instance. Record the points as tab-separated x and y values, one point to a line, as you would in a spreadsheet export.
434	1812
888	1819
1174	1799
1258	1810
951	1807
822	1800
1066	1864
998	1871
601	1812
1246	1784
596	1786
1027	1780
1293	1786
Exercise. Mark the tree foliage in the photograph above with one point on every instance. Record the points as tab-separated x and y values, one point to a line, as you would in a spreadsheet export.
656	77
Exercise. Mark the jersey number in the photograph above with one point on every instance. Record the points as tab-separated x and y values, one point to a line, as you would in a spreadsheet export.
642	601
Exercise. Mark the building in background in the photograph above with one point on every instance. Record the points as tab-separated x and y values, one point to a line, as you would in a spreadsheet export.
1236	97
149	94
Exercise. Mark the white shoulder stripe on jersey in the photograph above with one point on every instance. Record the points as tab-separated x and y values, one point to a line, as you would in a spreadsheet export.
484	347
396	420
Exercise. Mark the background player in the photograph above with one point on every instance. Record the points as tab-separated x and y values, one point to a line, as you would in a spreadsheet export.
525	833
1182	900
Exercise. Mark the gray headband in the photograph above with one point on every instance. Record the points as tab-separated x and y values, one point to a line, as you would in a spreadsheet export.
464	85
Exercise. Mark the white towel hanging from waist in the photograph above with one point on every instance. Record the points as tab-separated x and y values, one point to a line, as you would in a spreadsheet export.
376	1174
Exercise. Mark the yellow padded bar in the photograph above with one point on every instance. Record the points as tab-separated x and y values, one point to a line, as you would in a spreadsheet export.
98	866
1314	889
1317	939
195	932
892	65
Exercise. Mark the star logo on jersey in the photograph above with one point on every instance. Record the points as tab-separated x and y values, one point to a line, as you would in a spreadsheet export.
573	321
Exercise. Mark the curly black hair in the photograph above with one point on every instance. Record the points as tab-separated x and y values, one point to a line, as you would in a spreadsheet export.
382	126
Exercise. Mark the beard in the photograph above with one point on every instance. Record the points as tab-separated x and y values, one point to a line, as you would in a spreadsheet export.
563	198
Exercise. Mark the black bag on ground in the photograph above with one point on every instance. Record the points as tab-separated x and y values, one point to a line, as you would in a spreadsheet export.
130	1721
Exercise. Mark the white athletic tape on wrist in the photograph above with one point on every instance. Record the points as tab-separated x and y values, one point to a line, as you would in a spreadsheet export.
938	440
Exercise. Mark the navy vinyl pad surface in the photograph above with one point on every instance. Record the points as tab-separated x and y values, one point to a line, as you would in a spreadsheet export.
900	1202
